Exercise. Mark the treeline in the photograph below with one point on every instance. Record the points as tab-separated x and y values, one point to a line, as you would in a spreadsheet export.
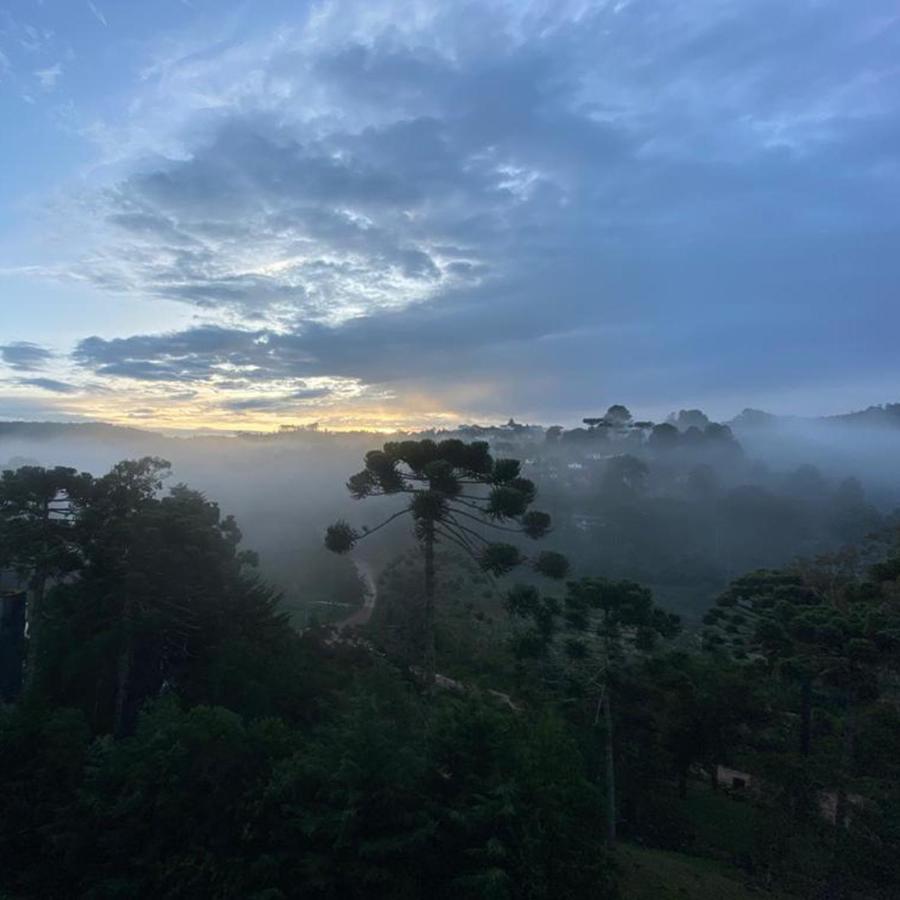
680	506
173	736
167	732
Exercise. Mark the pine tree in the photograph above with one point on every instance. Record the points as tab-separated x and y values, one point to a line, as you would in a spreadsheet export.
455	490
600	627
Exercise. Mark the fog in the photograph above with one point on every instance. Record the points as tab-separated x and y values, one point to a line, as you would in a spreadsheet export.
683	506
282	490
870	452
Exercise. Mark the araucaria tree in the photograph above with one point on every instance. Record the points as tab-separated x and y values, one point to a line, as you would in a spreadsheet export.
587	642
844	640
38	509
765	615
455	491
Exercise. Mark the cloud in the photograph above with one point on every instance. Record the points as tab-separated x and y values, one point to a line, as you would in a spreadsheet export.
49	384
267	226
36	409
195	355
48	77
508	203
281	404
97	14
24	356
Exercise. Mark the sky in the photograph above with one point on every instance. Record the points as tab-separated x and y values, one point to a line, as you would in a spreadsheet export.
219	214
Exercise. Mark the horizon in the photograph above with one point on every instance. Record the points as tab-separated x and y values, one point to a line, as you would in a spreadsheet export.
319	428
393	215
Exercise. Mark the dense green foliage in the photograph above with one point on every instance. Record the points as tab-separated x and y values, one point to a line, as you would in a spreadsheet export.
453	492
177	737
374	801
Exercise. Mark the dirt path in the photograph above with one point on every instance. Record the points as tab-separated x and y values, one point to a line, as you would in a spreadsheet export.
362	615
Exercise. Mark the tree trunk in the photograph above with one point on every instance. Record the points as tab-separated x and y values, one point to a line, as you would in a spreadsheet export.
806	698
610	768
123	674
429	664
35	613
841	808
12	646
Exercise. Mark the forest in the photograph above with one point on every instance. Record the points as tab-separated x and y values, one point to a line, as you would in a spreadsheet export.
449	450
622	660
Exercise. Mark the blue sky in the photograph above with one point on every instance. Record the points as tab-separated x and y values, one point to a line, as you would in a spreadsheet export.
380	213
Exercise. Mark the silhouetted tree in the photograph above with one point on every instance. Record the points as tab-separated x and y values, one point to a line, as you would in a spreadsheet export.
455	490
163	591
625	475
752	619
840	639
117	501
601	627
689	418
664	437
618	415
38	509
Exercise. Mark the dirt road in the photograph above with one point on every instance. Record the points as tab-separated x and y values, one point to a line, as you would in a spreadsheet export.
362	615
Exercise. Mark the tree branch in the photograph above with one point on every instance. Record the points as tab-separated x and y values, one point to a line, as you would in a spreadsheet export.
466	529
462	498
455	539
387	521
488	524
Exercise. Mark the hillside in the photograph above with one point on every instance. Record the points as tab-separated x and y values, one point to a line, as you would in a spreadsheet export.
661	875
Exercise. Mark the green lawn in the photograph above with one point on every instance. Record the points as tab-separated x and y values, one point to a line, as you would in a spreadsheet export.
721	823
661	875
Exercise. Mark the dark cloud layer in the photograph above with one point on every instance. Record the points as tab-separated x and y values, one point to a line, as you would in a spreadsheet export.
24	356
49	384
636	197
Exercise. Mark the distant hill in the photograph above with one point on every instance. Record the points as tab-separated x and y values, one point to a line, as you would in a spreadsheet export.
882	416
754	418
37	431
888	414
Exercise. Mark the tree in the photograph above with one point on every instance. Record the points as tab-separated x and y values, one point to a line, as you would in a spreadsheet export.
625	476
117	501
664	437
38	511
851	517
702	482
618	416
720	440
689	418
12	640
707	705
163	602
454	490
756	617
601	627
842	639
579	435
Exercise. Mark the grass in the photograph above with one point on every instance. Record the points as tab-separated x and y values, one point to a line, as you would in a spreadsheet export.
662	875
720	822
